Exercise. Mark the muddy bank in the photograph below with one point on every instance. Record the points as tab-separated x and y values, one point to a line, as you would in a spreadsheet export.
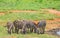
55	32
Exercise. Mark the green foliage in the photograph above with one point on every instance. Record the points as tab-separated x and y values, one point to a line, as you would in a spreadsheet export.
29	4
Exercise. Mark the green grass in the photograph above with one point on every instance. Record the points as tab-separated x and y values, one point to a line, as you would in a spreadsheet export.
28	16
29	4
4	34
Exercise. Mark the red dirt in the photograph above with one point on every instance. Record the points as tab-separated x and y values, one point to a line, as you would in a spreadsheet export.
1	14
48	10
52	11
52	24
21	11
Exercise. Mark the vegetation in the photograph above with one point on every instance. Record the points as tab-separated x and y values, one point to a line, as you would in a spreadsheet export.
28	16
29	4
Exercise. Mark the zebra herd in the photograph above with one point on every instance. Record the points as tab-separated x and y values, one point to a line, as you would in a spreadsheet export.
25	26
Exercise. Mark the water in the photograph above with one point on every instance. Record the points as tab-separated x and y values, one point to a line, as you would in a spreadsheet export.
58	33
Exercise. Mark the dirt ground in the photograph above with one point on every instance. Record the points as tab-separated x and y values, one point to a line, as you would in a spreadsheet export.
53	11
1	13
